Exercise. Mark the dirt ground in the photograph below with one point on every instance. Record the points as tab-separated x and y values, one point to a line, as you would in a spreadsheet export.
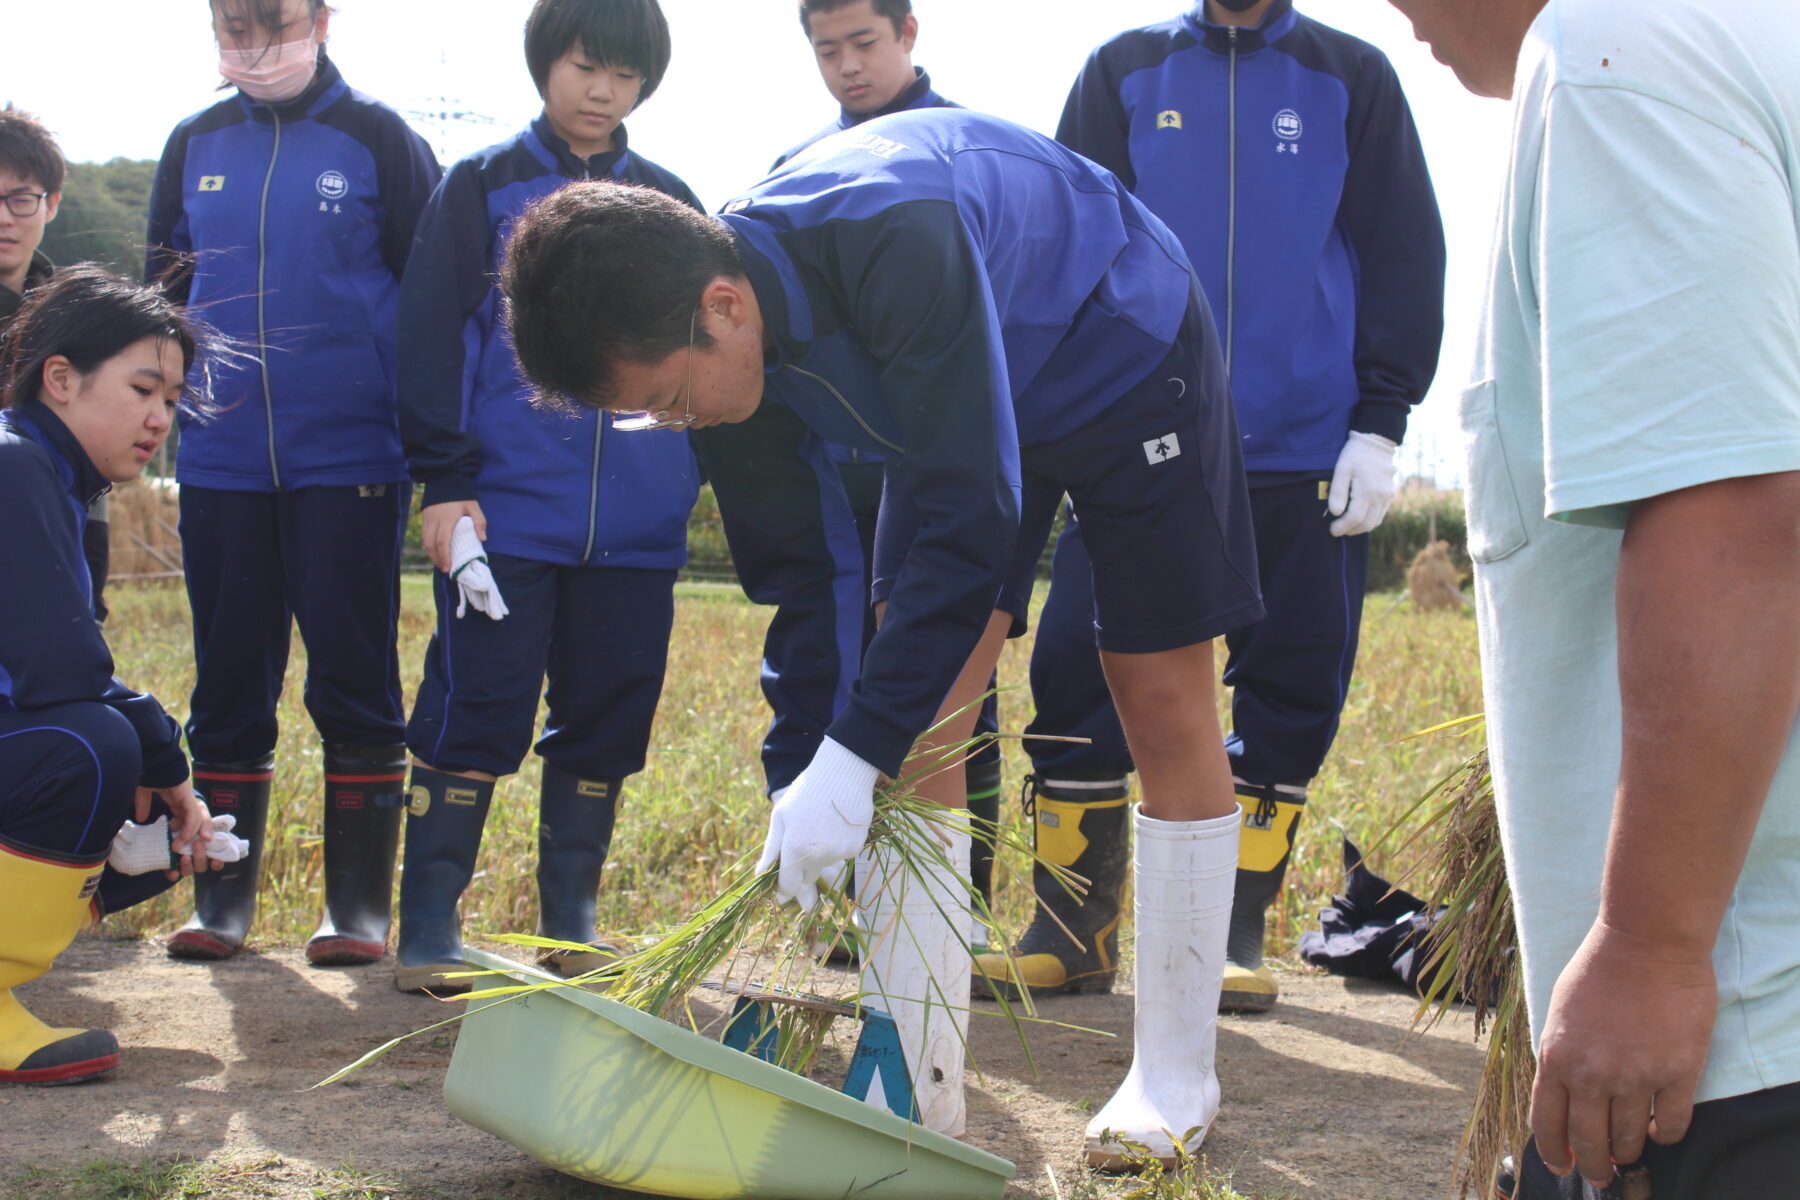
1326	1098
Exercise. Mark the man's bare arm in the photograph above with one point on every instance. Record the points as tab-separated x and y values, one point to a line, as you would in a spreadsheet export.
1708	606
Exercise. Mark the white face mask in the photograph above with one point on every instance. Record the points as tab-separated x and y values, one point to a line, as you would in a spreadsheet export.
275	75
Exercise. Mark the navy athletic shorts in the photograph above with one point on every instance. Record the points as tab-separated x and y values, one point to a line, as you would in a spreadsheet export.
1157	483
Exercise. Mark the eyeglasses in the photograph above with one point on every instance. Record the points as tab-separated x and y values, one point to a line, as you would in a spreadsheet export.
23	204
638	422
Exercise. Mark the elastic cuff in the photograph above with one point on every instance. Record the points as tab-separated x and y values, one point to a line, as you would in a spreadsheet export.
447	491
838	767
871	739
1384	418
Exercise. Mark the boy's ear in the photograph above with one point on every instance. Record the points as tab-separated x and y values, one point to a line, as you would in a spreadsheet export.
51	204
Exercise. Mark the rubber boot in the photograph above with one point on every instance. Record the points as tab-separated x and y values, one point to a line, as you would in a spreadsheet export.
575	827
1079	825
445	816
916	970
1184	877
984	805
1271	819
363	788
225	897
47	900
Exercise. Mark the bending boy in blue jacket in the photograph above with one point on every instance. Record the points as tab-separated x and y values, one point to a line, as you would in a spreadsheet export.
1007	324
571	532
1283	154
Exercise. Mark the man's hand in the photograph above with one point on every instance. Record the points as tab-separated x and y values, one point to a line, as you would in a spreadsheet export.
192	823
819	821
1362	484
1624	1043
438	521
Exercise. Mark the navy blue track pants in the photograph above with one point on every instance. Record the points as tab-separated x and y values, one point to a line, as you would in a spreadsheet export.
257	563
796	548
68	777
601	635
1290	671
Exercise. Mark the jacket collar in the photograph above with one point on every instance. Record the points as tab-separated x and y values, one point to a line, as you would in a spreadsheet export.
35	275
1275	25
73	466
786	308
606	165
919	95
327	85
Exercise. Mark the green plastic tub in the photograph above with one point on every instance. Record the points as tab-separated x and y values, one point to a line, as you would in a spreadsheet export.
612	1095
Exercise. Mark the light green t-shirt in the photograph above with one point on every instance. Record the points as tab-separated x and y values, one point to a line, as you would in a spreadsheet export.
1642	336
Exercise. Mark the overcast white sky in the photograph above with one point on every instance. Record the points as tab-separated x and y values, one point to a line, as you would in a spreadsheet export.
112	77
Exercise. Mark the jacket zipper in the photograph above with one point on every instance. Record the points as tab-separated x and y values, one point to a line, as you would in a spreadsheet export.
262	266
1231	212
856	416
594	476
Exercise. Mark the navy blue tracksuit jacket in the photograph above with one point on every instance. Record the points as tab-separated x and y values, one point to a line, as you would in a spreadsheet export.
556	487
300	216
920	95
51	649
946	287
1308	215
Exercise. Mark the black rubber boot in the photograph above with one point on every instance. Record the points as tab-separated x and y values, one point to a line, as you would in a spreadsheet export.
984	805
1265	845
1081	825
364	786
575	827
225	898
445	816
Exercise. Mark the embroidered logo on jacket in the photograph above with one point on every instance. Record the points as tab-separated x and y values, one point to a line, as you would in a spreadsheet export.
1288	127
212	183
333	186
877	145
1168	119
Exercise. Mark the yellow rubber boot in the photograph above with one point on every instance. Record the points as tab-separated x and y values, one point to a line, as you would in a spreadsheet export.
45	902
1072	943
1265	843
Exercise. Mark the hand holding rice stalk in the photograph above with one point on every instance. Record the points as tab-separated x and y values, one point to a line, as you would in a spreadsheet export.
747	928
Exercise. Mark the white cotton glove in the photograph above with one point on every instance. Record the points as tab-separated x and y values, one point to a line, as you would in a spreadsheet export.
1362	484
141	849
820	820
469	572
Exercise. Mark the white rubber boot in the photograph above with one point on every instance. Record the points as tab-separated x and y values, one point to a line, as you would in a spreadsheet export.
916	969
1185	873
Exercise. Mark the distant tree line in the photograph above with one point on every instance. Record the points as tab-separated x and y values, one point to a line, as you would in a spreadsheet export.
104	216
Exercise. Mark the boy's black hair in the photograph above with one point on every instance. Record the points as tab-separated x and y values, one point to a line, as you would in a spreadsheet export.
894	10
625	33
266	13
602	273
87	314
28	150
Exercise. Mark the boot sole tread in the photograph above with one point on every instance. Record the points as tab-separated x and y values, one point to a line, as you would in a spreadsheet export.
201	945
344	952
61	1076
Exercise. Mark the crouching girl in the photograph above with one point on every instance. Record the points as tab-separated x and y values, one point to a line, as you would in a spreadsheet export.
90	376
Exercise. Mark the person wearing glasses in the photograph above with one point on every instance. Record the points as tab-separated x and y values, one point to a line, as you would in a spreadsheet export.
284	213
31	178
1008	324
557	534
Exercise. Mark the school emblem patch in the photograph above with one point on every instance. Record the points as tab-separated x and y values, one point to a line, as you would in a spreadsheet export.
1168	119
212	183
